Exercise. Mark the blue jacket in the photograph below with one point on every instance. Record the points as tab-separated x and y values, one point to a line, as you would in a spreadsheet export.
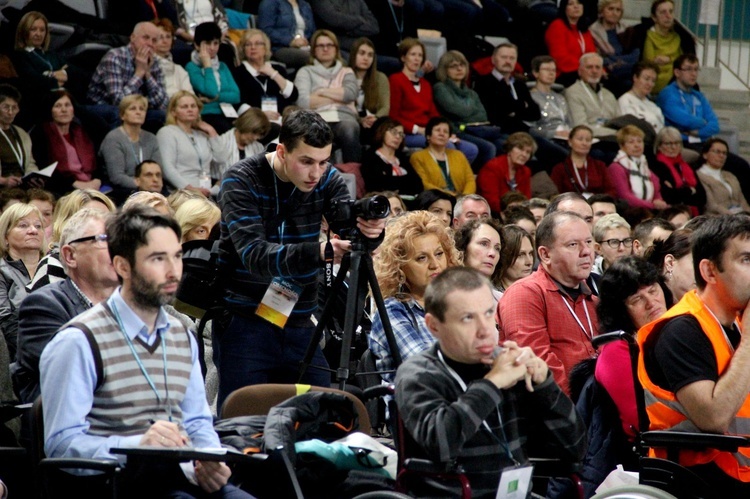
688	110
276	19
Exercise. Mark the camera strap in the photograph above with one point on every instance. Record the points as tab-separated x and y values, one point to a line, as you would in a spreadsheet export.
328	260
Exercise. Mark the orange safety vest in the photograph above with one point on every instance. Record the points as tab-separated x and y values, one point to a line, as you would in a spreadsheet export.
666	413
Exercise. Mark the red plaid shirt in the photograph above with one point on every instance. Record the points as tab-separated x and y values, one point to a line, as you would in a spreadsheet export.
533	313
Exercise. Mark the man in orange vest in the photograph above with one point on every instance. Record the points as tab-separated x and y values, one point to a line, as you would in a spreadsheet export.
694	368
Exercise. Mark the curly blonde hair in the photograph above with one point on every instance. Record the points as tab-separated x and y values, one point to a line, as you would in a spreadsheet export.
398	246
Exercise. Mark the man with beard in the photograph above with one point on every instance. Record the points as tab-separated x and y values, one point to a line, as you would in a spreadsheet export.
126	374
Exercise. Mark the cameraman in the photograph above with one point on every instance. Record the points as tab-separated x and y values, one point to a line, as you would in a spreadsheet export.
270	257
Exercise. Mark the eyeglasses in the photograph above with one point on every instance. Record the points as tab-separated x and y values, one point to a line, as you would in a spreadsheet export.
255	44
397	133
691	69
324	46
720	152
615	243
98	239
672	144
456	65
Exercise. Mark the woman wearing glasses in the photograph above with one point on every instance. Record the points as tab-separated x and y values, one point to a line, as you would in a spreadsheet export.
723	192
679	183
613	241
330	89
384	166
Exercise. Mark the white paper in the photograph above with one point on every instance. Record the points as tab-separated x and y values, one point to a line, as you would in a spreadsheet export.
709	13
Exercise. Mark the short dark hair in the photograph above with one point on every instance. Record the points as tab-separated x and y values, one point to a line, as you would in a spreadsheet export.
306	126
620	281
206	32
511	197
536	62
645	228
656	3
707	145
710	240
451	279
128	230
601	198
139	166
516	213
682	58
545	231
9	92
674	210
437	120
565	196
381	126
426	198
641	66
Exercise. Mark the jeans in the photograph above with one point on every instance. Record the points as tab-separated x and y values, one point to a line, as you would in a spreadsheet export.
252	351
489	141
346	134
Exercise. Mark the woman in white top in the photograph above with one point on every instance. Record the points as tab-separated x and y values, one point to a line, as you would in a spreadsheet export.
636	101
190	148
243	140
175	76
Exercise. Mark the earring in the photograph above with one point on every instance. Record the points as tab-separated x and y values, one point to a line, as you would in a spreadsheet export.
668	275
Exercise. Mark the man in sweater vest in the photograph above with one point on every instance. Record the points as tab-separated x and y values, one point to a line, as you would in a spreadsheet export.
125	374
694	366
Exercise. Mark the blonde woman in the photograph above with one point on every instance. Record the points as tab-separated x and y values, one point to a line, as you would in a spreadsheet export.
197	218
21	247
153	200
50	269
416	248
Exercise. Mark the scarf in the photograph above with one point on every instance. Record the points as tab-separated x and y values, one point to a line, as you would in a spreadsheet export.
681	171
599	32
214	65
638	174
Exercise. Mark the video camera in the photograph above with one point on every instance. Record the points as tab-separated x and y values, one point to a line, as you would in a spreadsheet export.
344	212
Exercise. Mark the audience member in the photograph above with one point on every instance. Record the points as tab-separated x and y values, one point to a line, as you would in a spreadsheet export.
646	233
16	158
211	79
463	106
522	217
416	249
602	204
479	242
575	203
517	256
90	280
21	248
346	19
133	312
612	241
538	206
243	139
45	203
606	31
511	199
50	269
197	218
176	198
724	194
12	195
290	25
374	97
679	183
567	41
440	167
384	165
692	363
175	76
634	181
412	103
508	173
399	20
549	311
674	258
263	84
128	146
148	177
637	100
590	103
152	200
580	172
330	89
469	207
554	120
189	147
398	207
267	347
677	214
62	139
661	40
462	403
439	203
127	70
193	13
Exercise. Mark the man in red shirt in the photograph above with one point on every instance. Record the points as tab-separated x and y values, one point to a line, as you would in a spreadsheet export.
553	311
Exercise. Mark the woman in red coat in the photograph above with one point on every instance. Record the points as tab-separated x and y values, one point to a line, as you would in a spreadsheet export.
566	42
507	172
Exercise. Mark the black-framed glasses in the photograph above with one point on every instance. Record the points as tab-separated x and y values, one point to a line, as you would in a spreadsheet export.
615	243
97	238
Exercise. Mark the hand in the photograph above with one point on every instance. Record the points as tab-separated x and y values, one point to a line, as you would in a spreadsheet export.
143	62
660	204
10	181
163	434
204	127
267	69
371	229
454	139
272	115
203	55
427	66
398	3
536	368
61	76
505	371
661	59
368	121
340	248
211	475
421	130
94	184
199	190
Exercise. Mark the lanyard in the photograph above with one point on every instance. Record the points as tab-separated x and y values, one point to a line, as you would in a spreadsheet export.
684	102
276	190
580	324
581	41
591	94
18	153
191	137
447	172
729	343
585	184
399	27
512	89
263	85
140	363
462	384
45	61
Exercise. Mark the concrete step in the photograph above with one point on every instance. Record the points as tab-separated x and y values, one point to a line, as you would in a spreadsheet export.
726	99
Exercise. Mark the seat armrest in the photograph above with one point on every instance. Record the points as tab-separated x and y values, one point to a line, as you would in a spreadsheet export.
694	441
106	465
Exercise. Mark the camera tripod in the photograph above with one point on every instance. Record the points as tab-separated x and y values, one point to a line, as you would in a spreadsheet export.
359	261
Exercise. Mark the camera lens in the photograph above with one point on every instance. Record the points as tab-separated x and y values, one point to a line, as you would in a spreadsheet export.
377	207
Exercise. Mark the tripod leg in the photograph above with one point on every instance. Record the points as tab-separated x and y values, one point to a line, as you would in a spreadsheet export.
324	318
353	306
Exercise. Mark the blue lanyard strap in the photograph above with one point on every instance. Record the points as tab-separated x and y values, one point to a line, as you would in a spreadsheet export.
140	363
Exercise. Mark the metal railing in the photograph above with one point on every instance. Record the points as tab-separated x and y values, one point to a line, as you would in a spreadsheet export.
726	44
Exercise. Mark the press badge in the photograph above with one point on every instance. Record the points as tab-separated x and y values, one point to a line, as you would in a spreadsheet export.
515	482
278	302
228	110
269	104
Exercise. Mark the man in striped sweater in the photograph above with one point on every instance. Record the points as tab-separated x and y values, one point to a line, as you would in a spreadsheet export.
468	402
126	374
270	256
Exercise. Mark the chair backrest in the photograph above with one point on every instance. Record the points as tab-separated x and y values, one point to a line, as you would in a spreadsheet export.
257	400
